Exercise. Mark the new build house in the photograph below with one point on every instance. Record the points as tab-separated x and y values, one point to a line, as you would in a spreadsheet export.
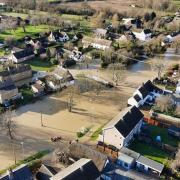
147	92
122	128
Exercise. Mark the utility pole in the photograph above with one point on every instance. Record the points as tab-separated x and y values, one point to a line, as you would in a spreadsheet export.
22	144
41	120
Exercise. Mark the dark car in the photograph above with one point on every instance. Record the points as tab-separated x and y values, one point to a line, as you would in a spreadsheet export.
68	63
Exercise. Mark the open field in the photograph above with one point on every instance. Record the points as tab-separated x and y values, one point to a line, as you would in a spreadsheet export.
30	31
89	111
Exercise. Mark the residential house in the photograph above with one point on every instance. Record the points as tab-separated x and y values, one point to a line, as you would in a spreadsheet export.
22	172
63	37
147	92
19	72
56	36
80	170
96	43
77	56
149	166
46	172
23	55
136	22
59	78
38	88
144	35
53	36
8	91
122	128
100	33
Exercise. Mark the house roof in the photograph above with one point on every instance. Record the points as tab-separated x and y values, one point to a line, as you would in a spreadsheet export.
100	31
20	173
137	98
23	53
147	31
99	41
45	172
125	158
82	169
150	163
11	70
143	91
126	120
129	152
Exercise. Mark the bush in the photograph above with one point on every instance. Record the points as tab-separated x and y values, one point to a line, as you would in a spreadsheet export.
104	64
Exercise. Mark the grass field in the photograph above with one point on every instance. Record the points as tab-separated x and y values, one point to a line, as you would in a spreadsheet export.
155	153
149	151
40	65
165	138
30	31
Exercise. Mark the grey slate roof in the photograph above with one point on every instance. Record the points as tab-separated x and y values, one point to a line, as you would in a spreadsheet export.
130	152
125	158
83	169
24	53
20	173
150	163
45	172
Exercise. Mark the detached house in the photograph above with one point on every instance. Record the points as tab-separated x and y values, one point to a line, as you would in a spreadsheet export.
56	36
122	128
147	92
96	43
22	55
59	78
145	35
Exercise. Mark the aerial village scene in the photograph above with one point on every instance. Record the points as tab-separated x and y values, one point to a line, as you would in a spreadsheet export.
89	89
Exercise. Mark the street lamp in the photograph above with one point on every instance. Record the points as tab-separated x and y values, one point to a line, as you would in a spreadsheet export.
22	145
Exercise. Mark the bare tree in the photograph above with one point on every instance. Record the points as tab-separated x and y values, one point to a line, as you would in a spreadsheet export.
163	103
8	126
71	91
117	72
159	65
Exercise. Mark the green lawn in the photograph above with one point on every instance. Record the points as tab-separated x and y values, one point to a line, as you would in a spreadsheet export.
14	14
40	65
165	138
149	151
177	2
30	31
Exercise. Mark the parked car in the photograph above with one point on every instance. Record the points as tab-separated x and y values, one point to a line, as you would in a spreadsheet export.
68	63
